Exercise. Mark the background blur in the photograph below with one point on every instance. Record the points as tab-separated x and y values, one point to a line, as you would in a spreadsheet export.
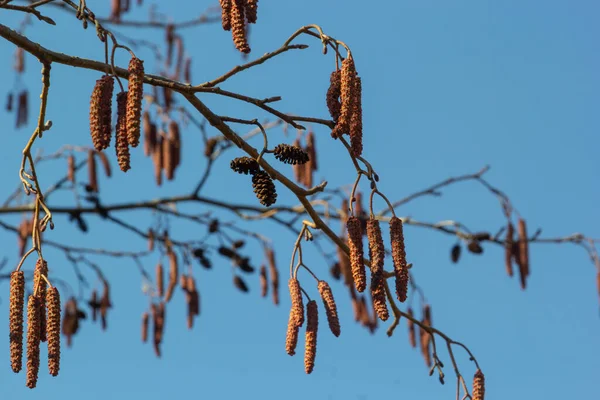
449	87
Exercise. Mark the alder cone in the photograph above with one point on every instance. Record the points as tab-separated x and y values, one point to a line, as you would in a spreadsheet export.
238	26
330	308
17	301
244	165
478	386
121	141
399	258
134	100
101	112
33	340
355	245
290	154
264	188
297	305
53	330
312	326
226	14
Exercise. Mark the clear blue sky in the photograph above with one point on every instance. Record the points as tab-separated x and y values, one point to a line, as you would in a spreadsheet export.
448	88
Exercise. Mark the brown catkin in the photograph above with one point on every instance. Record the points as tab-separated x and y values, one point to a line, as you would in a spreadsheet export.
39	288
105	304
149	135
291	337
399	258
168	159
508	248
238	26
478	386
297	305
101	112
134	100
53	330
121	143
330	308
33	340
226	14
92	174
157	158
376	246
347	86
312	326
71	168
145	324
105	164
523	246
17	300
311	149
251	11
264	284
173	275
160	286
356	126
333	95
274	274
175	138
355	245
378	295
412	334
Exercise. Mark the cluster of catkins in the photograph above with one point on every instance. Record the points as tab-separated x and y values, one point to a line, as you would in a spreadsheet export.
164	147
129	112
303	172
517	251
296	320
43	323
22	97
235	14
344	101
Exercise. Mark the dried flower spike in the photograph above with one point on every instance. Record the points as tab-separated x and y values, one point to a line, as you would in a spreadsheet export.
347	87
330	307
92	174
39	289
312	326
523	250
101	111
160	286
264	188
238	26
251	11
508	248
290	154
333	95
17	300
274	274
378	295
478	386
399	258
291	338
53	330
356	127
297	304
355	244
33	340
121	141
134	100
264	284
226	14
145	323
244	165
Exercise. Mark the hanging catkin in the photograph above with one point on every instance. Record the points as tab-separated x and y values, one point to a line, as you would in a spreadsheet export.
312	326
251	11
355	244
145	323
330	307
523	252
412	335
264	284
53	330
333	95
291	337
160	287
39	289
478	386
508	248
173	275
121	141
17	300
134	100
101	112
356	127
238	26
226	14
33	340
399	258
297	305
274	274
92	174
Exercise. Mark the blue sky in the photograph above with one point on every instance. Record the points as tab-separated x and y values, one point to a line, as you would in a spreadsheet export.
448	88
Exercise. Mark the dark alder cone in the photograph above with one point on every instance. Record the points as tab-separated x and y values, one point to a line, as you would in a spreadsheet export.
71	168
399	258
264	188
508	246
356	126
33	340
244	165
145	323
455	253
160	286
311	150
478	386
264	283
355	244
92	174
214	227
291	338
290	154
330	308
240	284
101	112
274	274
238	26
105	304
134	100
523	247
121	142
474	247
312	326
412	335
157	158
226	14
17	301
251	11
39	289
238	244
297	305
53	330
333	95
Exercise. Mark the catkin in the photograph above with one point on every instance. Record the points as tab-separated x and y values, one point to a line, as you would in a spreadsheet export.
121	135
157	158
264	284
330	307
175	138
238	26
145	323
312	326
347	87
53	330
17	300
376	245
274	274
105	304
523	248
173	275
333	95
311	150
101	112
291	337
356	127
226	14
297	305
33	340
399	258
412	334
39	289
149	131
251	11
160	286
105	164
71	168
378	295
134	100
355	245
92	174
508	248
168	160
478	386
